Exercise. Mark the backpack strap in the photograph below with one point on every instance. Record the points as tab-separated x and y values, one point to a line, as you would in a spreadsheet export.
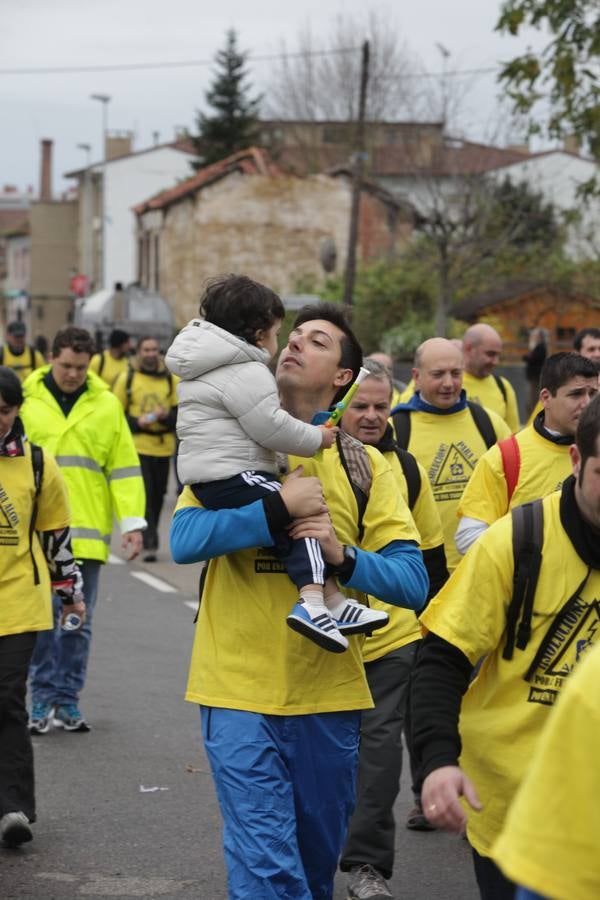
483	423
357	466
511	462
527	541
501	386
37	464
401	420
31	357
128	383
2	356
410	470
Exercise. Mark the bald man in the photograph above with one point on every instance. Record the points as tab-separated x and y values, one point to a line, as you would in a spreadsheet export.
444	431
482	347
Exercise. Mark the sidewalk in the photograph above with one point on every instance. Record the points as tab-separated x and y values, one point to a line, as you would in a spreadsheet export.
184	578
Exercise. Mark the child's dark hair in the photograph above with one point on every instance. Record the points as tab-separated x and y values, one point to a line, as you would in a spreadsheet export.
241	306
10	387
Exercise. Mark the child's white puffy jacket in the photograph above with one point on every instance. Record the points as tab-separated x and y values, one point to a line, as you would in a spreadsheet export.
229	418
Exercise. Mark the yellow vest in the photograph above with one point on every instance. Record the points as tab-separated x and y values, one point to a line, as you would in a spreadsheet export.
95	451
239	663
25	606
506	707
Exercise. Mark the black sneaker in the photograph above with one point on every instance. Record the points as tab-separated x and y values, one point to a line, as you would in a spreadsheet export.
14	829
417	820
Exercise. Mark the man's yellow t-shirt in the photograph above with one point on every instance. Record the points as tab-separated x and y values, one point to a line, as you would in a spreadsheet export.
486	392
22	364
247	595
550	841
147	391
448	447
403	627
25	606
544	466
107	367
507	705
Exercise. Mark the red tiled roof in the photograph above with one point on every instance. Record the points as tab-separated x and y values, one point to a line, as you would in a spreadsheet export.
252	161
513	292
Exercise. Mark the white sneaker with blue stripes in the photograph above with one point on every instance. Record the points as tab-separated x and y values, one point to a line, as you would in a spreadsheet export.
315	623
352	617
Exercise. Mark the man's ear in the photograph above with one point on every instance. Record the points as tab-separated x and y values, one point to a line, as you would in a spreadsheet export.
544	397
342	377
415	375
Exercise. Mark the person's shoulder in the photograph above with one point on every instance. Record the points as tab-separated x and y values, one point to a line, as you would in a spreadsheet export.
499	425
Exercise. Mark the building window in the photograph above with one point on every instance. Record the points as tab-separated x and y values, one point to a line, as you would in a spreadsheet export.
156	279
565	334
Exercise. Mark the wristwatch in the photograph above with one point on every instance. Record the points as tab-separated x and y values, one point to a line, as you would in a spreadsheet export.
346	567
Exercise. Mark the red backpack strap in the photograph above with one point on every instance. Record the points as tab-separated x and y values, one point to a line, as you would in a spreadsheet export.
511	462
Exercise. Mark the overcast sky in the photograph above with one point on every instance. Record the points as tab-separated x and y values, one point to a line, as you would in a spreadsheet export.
36	33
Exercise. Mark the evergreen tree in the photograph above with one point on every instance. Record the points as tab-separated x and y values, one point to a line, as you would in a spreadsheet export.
234	124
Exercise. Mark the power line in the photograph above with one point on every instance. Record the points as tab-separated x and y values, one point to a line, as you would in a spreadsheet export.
190	63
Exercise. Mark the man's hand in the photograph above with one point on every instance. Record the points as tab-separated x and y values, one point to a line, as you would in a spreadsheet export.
303	496
440	798
132	543
77	608
321	528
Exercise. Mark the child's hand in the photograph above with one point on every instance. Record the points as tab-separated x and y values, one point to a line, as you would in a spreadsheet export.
329	435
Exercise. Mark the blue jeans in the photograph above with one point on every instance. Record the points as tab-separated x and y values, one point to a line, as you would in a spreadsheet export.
60	658
286	788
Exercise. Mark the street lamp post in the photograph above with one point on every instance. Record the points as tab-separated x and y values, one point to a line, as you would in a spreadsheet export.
104	99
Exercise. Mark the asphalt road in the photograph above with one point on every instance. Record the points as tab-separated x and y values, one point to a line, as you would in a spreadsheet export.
129	810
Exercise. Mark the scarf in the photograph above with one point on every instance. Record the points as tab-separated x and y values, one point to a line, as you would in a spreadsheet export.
564	440
585	539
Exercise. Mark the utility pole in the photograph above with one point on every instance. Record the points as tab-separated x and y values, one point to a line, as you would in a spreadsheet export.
357	179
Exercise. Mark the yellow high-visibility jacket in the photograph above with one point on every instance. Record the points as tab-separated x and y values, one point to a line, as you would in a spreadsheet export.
95	451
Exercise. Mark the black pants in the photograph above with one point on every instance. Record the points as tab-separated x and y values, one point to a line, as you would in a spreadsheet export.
155	471
303	558
16	752
490	880
372	826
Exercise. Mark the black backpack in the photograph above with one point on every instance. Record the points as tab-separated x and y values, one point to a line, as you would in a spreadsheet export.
483	423
527	541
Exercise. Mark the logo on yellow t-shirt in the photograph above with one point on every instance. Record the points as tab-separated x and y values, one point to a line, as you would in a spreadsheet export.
9	521
450	471
574	630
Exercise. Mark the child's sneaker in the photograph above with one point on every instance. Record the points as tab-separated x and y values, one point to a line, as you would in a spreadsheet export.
352	617
314	622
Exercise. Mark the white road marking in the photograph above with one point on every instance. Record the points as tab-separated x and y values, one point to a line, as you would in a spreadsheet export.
115	560
191	605
154	582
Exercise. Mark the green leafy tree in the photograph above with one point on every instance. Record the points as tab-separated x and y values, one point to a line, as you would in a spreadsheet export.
565	74
234	123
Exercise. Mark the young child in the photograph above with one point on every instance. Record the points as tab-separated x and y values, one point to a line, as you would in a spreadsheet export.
230	426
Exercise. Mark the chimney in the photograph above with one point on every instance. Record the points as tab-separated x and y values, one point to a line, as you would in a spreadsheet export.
117	144
572	144
46	170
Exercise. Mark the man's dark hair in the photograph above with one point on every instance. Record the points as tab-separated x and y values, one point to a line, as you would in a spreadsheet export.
72	338
10	387
585	332
587	432
241	306
117	337
146	337
561	367
351	351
